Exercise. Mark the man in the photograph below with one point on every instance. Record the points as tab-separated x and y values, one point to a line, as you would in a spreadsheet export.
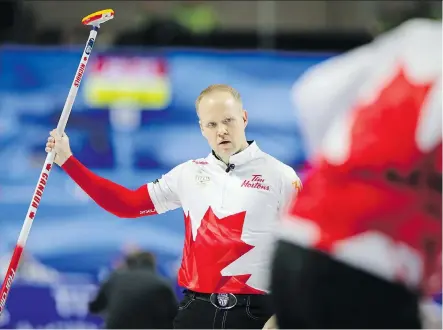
357	247
232	200
135	297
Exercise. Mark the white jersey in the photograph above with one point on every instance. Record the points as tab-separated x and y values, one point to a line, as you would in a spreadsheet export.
230	215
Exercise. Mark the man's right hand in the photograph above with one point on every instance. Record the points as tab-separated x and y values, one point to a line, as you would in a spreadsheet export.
60	144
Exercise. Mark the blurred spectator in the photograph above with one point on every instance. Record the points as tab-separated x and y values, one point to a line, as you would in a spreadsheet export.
135	297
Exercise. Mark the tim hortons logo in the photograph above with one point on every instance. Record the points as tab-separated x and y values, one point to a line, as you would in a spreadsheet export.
256	182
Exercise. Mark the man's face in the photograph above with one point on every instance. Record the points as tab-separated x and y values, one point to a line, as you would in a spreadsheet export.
223	122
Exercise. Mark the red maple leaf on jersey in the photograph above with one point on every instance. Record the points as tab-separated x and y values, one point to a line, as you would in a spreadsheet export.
217	244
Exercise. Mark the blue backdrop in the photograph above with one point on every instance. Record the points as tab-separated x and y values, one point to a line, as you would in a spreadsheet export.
133	120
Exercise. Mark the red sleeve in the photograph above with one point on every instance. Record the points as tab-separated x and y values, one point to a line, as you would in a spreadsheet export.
114	198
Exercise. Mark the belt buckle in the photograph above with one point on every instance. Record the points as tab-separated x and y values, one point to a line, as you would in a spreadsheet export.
223	300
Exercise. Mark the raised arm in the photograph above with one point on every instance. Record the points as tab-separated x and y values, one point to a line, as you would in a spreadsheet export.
149	199
112	197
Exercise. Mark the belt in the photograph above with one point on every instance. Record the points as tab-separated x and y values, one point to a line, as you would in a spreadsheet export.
225	300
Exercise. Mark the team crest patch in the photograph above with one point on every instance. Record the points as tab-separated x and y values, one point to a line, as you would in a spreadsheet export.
202	179
223	299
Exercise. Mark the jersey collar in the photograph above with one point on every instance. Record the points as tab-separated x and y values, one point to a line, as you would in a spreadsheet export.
241	157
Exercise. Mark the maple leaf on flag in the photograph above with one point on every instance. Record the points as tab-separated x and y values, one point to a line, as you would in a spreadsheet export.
382	153
377	138
217	244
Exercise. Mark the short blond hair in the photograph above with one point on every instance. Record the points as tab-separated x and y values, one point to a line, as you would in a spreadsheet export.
218	87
